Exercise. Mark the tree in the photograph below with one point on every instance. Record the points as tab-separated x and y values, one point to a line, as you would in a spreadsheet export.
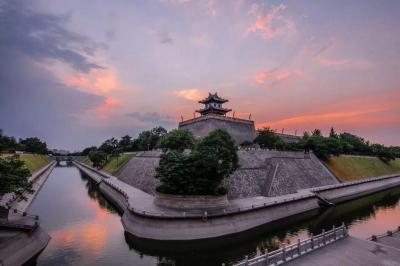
98	158
175	174
333	134
33	145
177	139
109	145
202	171
353	144
86	151
125	143
318	146
13	176
317	132
147	140
267	138
7	144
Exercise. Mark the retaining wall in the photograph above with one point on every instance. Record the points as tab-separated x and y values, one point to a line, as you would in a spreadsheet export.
143	219
261	173
352	190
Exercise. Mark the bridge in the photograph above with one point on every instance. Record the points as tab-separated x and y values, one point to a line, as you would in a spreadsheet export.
65	158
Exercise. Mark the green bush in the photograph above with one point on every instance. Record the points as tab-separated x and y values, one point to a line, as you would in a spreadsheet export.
177	139
202	171
13	175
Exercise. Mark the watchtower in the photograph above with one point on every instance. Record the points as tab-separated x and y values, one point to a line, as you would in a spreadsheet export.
213	116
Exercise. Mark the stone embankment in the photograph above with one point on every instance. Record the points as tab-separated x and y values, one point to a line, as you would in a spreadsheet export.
261	173
144	219
21	237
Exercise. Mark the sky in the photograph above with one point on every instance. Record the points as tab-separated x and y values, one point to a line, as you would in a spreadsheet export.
74	73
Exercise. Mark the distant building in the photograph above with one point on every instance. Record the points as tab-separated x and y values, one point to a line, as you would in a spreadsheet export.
213	116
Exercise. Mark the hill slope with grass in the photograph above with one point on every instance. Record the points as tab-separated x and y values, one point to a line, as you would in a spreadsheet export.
35	161
113	165
357	167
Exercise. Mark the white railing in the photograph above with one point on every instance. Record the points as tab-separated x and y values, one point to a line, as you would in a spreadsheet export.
302	247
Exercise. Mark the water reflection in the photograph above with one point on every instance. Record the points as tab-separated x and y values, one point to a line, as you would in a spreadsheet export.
86	229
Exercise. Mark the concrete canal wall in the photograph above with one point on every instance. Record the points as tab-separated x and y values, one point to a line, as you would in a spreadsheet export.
20	245
142	218
352	190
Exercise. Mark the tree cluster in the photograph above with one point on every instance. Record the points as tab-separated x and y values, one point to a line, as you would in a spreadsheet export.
31	145
335	144
200	171
113	147
13	175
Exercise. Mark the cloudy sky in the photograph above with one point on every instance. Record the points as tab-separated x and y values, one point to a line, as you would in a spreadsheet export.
76	72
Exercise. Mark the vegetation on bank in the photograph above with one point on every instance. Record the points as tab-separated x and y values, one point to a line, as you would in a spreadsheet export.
35	161
13	175
356	167
29	145
116	163
200	171
325	147
113	164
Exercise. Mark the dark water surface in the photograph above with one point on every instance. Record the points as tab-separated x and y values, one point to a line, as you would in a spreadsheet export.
87	230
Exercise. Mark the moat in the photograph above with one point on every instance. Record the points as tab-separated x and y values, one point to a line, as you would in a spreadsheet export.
86	229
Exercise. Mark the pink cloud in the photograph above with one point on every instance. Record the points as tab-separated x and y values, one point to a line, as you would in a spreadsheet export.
365	112
99	81
271	23
104	110
277	75
189	94
352	63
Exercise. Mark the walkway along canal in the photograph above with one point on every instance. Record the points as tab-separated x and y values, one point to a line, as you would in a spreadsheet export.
86	229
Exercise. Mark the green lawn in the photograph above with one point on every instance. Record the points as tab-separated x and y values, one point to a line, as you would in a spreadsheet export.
113	164
351	168
83	159
35	161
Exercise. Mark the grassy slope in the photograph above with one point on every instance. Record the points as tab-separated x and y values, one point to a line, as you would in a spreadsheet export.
35	161
351	168
83	159
111	166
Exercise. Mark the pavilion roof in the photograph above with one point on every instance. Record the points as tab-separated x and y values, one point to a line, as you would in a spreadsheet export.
213	98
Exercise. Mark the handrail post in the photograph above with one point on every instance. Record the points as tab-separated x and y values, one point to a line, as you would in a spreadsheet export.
334	232
312	241
266	257
298	247
284	253
344	229
323	237
246	260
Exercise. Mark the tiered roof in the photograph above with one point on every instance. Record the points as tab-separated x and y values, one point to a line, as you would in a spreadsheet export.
213	105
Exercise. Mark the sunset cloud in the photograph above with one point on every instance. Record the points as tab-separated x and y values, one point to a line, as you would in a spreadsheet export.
103	111
189	94
99	81
351	63
276	75
270	23
365	112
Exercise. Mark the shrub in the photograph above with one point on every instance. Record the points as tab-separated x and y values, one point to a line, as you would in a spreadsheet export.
177	139
202	171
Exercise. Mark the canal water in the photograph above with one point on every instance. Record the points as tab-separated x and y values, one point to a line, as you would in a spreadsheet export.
86	229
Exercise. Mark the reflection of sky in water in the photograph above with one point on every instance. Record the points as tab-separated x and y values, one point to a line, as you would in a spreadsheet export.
85	230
